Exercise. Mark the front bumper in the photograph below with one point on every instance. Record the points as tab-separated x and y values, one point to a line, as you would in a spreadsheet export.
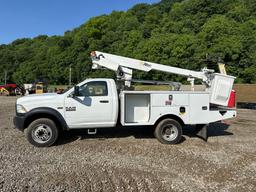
19	122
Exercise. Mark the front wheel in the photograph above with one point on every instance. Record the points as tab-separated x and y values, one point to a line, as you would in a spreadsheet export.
42	132
168	131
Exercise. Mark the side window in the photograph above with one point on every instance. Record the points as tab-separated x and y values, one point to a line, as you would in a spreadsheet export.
95	88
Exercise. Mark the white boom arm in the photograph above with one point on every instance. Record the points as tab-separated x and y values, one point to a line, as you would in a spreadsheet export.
219	85
123	67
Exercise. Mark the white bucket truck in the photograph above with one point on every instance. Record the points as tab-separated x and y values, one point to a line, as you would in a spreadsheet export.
100	103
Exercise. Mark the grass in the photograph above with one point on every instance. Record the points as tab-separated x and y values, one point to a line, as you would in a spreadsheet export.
57	86
152	88
245	92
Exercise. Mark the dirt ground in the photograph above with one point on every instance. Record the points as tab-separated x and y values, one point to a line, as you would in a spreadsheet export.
130	159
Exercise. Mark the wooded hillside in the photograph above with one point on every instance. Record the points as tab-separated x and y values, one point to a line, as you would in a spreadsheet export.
184	33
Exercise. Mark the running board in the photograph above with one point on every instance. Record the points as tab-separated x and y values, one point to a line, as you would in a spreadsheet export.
92	131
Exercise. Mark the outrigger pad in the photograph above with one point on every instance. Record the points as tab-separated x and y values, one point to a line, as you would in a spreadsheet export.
201	131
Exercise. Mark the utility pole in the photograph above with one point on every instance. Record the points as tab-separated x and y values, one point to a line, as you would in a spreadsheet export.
70	75
5	76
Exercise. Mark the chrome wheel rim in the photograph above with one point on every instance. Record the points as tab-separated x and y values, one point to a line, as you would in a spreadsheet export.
42	133
170	132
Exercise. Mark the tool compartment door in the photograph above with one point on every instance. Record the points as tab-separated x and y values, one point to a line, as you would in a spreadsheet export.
137	108
199	108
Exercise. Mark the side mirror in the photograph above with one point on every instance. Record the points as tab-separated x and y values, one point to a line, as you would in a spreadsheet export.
76	91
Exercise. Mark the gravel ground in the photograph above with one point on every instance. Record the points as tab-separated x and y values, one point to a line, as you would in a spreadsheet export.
130	159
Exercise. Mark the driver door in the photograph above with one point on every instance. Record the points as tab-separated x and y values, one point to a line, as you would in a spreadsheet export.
93	107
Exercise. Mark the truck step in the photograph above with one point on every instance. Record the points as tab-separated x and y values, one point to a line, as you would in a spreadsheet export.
91	131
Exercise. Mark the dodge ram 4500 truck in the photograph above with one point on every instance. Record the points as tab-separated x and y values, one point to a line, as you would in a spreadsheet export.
99	103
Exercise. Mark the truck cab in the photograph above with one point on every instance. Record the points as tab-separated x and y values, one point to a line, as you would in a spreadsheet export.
94	105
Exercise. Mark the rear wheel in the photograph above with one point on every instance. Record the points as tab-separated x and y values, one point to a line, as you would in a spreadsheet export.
168	131
42	132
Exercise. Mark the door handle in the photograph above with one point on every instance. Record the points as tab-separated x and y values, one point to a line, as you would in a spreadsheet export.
104	101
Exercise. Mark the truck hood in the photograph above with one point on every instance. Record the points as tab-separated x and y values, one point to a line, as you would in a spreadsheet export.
38	97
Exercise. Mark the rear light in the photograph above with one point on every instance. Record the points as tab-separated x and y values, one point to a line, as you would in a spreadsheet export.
232	99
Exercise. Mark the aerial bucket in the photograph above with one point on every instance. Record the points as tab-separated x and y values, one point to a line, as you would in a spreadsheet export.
221	89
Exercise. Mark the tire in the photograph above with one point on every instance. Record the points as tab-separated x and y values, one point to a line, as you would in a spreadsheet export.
168	131
42	132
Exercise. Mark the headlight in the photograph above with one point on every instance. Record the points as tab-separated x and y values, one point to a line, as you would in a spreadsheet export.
20	109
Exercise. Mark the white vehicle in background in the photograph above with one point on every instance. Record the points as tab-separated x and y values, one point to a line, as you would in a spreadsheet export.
103	103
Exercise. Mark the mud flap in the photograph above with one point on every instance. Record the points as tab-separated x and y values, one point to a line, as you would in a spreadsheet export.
201	131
